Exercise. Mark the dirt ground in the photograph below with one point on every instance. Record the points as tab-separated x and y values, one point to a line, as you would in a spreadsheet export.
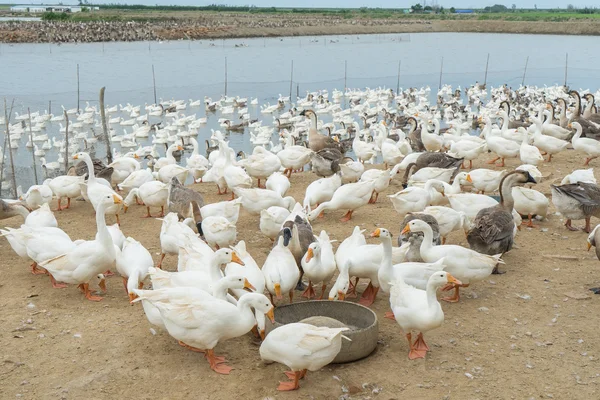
528	334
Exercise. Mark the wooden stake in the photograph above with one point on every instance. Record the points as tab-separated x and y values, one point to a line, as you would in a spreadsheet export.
525	71
104	127
441	72
12	164
225	76
345	75
32	151
77	88
566	68
398	82
154	84
487	64
291	80
66	141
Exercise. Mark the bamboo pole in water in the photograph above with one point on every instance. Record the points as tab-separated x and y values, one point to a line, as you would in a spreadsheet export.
104	127
154	84
225	76
345	75
398	82
77	88
12	163
566	68
525	71
487	64
66	141
3	161
441	73
33	151
291	81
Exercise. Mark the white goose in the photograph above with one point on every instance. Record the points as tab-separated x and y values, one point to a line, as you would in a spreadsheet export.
88	259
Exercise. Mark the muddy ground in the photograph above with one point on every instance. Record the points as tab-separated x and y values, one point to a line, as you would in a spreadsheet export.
531	333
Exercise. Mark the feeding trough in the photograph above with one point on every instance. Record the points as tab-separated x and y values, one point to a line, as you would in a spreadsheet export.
364	328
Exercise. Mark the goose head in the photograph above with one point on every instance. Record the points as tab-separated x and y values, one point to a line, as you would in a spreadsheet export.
226	256
239	282
381	232
313	250
442	278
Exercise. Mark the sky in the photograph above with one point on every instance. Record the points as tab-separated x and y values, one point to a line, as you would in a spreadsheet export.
346	3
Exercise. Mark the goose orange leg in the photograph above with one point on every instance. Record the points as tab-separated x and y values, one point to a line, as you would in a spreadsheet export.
502	163
323	291
420	343
569	226
55	284
58	207
162	257
309	293
291	385
414	353
493	161
352	288
217	364
530	222
35	270
88	293
347	217
148	215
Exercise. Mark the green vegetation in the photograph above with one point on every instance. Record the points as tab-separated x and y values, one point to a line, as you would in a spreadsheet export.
52	16
141	13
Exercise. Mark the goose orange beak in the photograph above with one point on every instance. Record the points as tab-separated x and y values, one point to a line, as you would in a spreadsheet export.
179	148
589	246
117	199
75	157
262	334
278	291
102	285
405	230
469	178
125	209
271	315
132	297
236	259
453	280
309	254
376	233
341	295
248	285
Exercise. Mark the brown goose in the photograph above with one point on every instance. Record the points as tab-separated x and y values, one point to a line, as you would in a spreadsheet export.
235	127
414	135
297	236
326	162
8	210
431	159
516	123
591	112
415	238
316	141
577	201
590	129
493	227
100	170
185	202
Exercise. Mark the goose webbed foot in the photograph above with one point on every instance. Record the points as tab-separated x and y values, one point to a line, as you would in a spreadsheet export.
497	271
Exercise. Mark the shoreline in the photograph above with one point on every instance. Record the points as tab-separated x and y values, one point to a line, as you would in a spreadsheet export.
235	27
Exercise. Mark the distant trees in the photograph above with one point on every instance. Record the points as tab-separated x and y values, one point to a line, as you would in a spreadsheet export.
452	10
514	7
496	8
417	8
570	7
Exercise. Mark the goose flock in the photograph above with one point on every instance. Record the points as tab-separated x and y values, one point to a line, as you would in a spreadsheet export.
218	290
